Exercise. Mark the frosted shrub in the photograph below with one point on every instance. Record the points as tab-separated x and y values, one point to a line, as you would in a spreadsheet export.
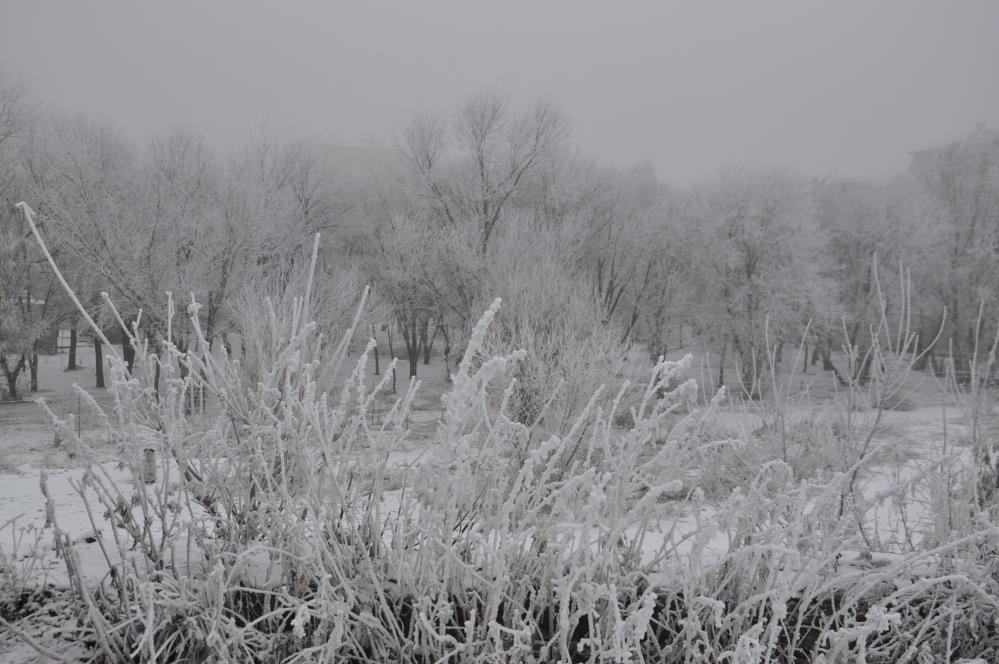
266	311
569	351
270	535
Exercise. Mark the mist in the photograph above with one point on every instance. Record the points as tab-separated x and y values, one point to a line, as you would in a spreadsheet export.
845	88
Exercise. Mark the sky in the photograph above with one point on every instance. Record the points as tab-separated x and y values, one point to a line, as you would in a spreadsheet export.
841	88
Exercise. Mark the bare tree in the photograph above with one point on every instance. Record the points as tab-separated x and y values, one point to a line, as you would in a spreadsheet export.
25	291
963	181
761	257
399	270
894	221
470	168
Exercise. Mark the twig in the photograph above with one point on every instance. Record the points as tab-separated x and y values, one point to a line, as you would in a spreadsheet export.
29	215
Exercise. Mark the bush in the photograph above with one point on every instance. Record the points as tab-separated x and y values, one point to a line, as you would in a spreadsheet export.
569	351
271	536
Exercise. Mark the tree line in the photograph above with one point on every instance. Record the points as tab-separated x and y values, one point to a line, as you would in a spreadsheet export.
491	199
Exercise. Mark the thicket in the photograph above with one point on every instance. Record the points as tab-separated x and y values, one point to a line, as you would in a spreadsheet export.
279	528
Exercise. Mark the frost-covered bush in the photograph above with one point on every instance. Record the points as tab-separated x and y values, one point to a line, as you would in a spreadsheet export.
270	536
569	350
269	533
263	312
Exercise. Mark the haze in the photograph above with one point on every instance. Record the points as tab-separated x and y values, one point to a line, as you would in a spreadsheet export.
845	88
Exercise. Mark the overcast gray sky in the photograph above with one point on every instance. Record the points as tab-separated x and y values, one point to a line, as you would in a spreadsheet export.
844	87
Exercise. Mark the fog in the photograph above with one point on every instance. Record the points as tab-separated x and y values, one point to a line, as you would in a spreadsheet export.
668	333
845	88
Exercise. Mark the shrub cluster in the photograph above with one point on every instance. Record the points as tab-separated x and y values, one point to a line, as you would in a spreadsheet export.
283	526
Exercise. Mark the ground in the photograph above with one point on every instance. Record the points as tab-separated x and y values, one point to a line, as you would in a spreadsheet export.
906	440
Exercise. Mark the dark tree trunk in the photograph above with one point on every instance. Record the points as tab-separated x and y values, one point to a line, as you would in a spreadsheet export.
410	336
827	363
156	378
99	360
414	359
374	336
127	350
721	365
33	366
11	375
409	327
71	364
446	353
428	346
421	347
212	315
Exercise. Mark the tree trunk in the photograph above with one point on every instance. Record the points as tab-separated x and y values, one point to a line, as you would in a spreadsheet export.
127	350
423	340
827	363
11	375
410	336
428	346
721	365
414	358
156	378
33	366
374	336
409	327
99	360
71	364
447	351
210	323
